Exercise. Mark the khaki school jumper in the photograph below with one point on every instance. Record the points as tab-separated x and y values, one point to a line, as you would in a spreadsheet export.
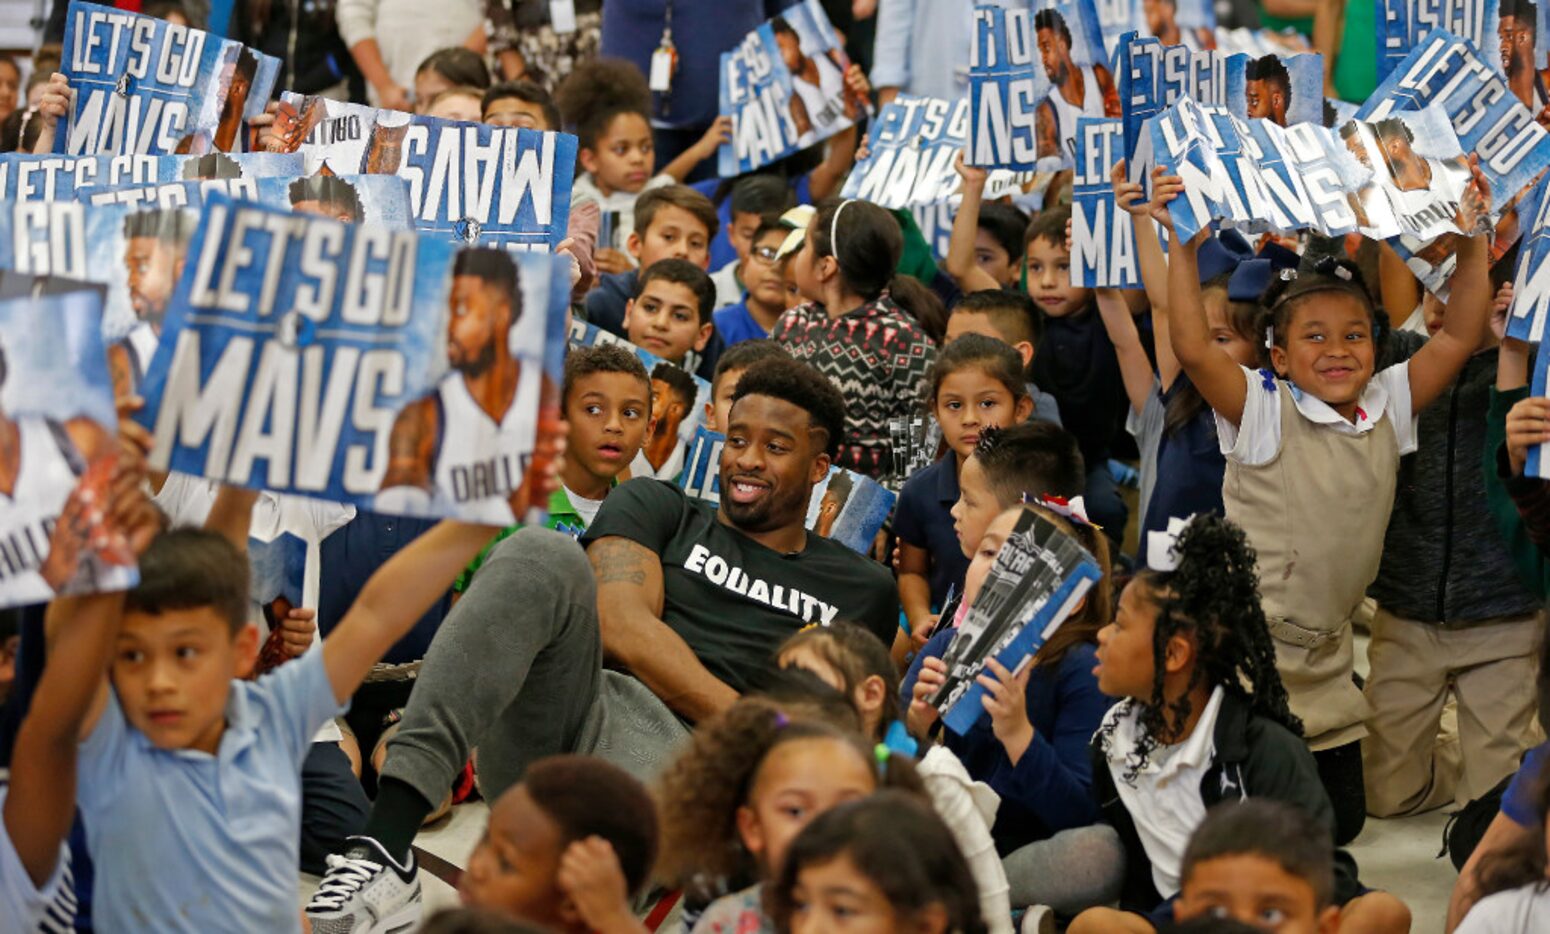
1316	515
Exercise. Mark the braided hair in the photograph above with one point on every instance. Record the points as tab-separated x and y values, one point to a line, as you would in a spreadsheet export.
1213	595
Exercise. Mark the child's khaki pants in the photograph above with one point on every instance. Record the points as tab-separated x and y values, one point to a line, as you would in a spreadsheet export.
1490	670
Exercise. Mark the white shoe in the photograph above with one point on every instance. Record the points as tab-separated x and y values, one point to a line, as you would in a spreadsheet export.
1038	919
366	891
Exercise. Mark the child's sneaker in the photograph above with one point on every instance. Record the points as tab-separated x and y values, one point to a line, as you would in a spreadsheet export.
366	891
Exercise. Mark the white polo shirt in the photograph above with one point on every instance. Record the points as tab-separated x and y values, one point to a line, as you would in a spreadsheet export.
1165	800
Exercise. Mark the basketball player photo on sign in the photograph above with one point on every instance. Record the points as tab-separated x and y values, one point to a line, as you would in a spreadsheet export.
386	369
57	452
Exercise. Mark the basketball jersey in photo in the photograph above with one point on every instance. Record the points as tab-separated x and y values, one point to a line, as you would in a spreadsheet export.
480	463
1066	113
140	344
825	100
47	473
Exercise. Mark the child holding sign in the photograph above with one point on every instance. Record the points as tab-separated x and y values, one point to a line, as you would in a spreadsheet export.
172	724
1313	453
1032	747
1181	465
1076	364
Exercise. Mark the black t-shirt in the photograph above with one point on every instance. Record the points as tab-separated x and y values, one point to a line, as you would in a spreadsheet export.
732	599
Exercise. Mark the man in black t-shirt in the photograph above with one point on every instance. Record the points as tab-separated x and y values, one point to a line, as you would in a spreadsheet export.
692	602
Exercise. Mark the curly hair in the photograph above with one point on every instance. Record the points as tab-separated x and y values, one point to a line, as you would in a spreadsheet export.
702	790
900	845
804	387
595	93
1213	597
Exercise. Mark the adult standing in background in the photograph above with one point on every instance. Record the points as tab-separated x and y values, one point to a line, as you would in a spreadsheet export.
700	30
304	36
922	48
390	38
527	43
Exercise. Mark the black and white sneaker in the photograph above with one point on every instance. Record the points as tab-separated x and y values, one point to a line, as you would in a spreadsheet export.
366	891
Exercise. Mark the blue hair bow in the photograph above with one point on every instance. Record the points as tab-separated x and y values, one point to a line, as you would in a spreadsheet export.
1223	253
1249	281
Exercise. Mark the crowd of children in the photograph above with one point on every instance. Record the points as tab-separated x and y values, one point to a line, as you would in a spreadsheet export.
668	702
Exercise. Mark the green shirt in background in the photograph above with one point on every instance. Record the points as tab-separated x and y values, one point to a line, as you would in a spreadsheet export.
562	518
1356	66
1302	25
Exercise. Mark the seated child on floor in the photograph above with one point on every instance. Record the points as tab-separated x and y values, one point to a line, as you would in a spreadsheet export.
1262	862
606	398
746	785
566	849
1204	718
886	863
1031	748
976	383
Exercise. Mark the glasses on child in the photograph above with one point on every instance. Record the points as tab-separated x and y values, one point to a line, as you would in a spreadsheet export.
765	254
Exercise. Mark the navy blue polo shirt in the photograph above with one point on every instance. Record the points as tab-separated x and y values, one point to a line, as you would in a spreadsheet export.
1190	467
924	519
348	559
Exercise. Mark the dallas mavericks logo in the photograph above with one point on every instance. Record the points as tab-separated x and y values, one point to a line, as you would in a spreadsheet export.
295	330
125	86
468	230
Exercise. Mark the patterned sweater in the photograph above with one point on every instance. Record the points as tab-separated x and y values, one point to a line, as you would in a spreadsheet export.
877	356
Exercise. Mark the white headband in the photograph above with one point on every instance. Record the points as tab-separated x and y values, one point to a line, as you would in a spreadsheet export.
834	228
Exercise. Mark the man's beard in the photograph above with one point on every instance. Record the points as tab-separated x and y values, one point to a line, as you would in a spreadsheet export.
1518	64
155	312
478	364
768	514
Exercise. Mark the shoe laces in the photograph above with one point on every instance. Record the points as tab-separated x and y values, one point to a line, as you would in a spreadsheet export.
346	876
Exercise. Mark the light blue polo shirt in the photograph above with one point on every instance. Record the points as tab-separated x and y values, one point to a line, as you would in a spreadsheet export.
186	841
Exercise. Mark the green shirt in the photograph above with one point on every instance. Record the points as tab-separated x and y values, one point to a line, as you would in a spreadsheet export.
563	517
1356	64
1302	25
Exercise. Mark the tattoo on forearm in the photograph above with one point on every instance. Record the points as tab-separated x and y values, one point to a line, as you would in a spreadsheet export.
616	561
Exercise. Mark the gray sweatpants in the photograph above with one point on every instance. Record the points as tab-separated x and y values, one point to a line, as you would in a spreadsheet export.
1070	872
516	671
